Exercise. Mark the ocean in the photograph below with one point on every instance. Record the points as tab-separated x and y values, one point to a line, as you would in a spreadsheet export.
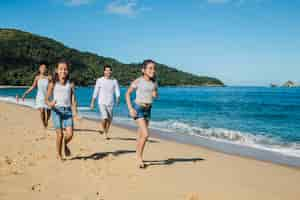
256	117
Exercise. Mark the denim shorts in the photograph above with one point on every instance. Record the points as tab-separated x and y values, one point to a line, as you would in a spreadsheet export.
142	112
62	117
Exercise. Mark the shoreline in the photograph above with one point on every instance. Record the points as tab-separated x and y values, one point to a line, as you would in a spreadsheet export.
12	86
228	148
225	147
101	169
187	86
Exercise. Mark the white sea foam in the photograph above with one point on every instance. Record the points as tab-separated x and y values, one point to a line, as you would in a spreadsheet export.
84	108
27	102
231	136
218	134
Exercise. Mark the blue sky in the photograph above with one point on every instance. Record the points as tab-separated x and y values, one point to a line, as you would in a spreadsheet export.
242	42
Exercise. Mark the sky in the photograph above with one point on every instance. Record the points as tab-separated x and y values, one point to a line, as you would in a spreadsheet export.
241	42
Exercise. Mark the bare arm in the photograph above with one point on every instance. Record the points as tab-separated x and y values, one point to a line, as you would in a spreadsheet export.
73	99
117	92
51	104
34	85
95	93
128	99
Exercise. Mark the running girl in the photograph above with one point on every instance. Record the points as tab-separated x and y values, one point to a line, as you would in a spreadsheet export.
140	110
63	93
41	83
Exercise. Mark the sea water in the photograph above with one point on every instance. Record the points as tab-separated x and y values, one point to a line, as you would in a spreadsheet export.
256	117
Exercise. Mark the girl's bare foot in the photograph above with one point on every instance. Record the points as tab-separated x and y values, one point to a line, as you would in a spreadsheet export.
141	164
106	136
67	151
60	158
45	125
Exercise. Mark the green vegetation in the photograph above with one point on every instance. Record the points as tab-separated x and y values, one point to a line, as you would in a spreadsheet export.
20	53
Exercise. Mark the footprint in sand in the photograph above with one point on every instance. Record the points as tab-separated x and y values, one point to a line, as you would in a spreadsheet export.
15	172
9	167
8	160
36	188
39	139
41	157
31	164
99	196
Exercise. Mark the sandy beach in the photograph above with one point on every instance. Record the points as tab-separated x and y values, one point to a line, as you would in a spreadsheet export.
100	169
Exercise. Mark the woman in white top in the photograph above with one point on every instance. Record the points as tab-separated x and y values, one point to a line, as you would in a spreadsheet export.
63	94
140	110
41	83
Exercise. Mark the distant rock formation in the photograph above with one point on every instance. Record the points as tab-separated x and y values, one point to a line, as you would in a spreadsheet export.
273	85
286	84
289	84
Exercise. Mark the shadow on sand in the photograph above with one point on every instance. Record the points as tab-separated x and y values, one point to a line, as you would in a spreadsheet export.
171	161
100	155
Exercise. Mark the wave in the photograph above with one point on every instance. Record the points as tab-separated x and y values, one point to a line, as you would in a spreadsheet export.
231	136
27	102
84	108
220	134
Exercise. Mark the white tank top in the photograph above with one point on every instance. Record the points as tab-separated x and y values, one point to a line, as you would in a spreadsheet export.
42	86
144	90
62	94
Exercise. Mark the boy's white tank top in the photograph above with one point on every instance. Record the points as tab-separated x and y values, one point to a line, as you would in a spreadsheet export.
62	94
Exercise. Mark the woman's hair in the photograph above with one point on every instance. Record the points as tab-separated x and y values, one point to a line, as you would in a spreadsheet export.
145	64
55	77
107	66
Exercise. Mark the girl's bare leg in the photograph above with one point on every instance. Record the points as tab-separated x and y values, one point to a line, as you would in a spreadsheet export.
47	117
146	138
143	134
68	138
42	115
59	140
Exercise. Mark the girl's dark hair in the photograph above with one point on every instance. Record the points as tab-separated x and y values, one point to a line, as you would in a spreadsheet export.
107	66
55	77
42	63
145	64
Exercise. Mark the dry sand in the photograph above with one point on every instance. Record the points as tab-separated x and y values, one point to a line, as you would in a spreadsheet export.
106	170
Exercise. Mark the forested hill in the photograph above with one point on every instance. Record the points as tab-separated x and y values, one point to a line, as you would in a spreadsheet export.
20	53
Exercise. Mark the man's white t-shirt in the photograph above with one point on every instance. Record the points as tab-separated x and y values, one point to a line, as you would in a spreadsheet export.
106	89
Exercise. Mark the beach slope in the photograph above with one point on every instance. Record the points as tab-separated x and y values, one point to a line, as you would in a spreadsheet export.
100	169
